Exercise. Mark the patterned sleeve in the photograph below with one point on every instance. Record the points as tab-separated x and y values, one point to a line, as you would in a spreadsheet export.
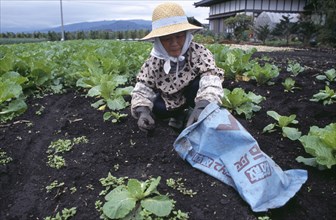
210	86
143	93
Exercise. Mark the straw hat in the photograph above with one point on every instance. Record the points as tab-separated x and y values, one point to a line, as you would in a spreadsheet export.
169	18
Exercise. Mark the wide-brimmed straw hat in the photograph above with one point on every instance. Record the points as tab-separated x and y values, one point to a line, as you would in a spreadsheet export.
169	18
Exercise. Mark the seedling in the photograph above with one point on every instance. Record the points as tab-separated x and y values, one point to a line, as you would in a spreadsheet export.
57	148
115	115
283	122
54	185
4	159
90	187
73	190
111	181
180	215
327	96
264	217
179	186
79	140
99	206
329	76
129	200
289	85
56	161
60	146
116	167
295	68
40	111
66	214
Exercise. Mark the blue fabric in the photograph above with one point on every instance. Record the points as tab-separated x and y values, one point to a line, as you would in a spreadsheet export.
219	145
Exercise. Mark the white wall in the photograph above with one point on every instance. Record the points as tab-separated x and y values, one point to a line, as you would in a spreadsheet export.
259	5
250	6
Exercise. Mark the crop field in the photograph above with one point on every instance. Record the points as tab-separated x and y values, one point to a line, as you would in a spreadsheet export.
69	148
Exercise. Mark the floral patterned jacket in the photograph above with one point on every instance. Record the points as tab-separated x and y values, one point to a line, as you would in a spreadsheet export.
152	80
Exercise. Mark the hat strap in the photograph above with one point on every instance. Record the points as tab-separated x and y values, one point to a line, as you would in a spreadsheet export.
169	21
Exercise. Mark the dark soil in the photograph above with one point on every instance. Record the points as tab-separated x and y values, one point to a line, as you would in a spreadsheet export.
26	139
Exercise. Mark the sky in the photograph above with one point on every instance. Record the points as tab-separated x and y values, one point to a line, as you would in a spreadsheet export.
40	14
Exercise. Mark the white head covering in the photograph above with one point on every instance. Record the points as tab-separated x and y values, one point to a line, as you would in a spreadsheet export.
160	52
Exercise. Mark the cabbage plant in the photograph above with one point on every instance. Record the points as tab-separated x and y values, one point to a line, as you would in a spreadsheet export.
131	200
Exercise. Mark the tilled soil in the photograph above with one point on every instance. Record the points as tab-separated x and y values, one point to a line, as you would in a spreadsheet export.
23	181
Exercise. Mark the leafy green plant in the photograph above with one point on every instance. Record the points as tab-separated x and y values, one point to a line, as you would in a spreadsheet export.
263	74
27	69
289	85
295	68
66	214
326	96
329	76
283	122
235	62
240	102
127	201
104	82
321	144
12	100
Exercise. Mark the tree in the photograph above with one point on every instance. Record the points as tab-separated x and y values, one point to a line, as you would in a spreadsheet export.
285	28
80	35
52	36
94	34
120	35
240	24
263	32
69	35
306	29
324	14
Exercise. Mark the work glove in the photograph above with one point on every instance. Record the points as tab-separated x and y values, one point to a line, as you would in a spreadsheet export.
199	107
145	120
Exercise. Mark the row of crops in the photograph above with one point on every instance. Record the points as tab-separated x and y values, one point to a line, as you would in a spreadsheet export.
106	69
101	67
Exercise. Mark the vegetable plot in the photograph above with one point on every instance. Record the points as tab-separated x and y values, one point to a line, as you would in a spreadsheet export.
117	154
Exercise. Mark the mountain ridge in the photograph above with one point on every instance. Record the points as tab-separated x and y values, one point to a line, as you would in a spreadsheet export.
105	25
112	25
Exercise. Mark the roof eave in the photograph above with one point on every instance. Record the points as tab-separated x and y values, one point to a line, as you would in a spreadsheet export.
206	3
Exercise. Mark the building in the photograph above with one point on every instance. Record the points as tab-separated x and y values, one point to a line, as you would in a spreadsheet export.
222	9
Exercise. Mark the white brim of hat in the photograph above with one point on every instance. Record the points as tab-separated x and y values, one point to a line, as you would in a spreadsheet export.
170	29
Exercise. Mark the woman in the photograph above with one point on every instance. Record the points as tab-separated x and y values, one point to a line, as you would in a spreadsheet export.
179	73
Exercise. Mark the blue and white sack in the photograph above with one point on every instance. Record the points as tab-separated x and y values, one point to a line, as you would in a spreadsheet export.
219	145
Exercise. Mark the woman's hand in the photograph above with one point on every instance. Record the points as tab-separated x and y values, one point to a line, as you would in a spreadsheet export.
145	121
199	107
